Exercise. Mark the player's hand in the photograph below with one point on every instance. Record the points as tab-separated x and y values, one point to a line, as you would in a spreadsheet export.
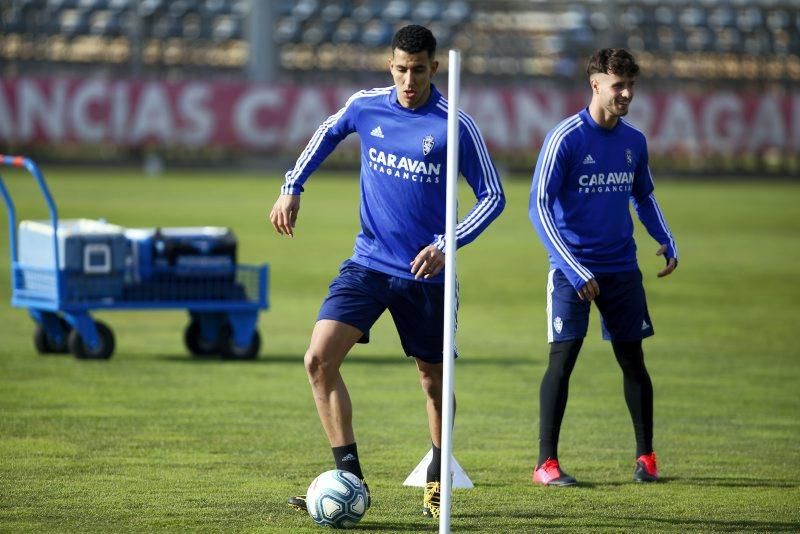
428	263
672	263
589	291
284	214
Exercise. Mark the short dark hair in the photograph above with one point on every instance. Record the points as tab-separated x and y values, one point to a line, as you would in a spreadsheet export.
612	61
414	39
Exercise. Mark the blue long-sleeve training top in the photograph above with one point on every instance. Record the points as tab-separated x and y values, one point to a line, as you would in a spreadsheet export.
404	175
585	177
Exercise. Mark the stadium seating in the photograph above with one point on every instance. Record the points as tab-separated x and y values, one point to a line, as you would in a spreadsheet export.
709	39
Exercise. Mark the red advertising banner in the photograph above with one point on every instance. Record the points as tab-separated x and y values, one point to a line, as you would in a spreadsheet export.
269	118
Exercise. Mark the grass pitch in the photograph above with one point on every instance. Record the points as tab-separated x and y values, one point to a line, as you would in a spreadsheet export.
153	440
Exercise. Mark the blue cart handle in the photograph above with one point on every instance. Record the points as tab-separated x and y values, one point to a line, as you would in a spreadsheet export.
28	164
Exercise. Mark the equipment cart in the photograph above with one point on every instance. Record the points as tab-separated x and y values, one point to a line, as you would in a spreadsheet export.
61	270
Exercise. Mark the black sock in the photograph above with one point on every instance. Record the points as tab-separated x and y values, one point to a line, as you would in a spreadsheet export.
638	392
435	467
346	458
553	396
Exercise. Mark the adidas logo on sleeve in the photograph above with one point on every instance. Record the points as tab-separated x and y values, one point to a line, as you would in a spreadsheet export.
377	132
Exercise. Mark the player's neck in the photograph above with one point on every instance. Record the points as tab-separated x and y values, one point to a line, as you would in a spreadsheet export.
603	118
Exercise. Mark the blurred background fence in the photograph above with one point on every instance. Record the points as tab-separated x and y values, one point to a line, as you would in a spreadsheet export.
248	81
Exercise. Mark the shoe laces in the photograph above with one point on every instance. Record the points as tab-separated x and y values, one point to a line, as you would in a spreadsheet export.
551	467
430	498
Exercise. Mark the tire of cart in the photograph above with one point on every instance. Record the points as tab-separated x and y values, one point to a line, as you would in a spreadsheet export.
103	350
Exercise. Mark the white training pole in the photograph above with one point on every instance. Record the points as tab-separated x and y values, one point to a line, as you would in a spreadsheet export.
453	88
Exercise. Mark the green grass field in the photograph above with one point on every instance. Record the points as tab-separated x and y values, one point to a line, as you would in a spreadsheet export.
153	440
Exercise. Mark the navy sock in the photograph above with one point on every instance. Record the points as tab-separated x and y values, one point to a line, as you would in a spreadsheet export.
346	458
435	467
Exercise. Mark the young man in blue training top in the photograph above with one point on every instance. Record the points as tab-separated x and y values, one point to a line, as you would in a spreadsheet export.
398	258
590	166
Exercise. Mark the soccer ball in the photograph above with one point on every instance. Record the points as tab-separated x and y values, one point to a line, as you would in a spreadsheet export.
336	499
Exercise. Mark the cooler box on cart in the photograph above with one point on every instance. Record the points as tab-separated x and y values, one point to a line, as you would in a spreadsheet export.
91	253
183	262
62	270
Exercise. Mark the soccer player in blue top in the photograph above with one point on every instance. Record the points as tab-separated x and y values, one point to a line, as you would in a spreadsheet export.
398	258
591	166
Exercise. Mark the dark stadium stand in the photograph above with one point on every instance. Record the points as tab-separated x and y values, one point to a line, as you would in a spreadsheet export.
706	39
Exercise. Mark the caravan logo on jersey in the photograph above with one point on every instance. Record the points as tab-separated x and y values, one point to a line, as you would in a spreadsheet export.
427	144
409	169
612	182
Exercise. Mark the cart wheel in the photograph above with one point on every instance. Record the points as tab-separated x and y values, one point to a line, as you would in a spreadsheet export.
232	352
46	345
194	341
104	349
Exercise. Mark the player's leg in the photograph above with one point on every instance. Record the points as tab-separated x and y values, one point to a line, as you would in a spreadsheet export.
430	378
626	322
418	312
330	343
639	397
351	308
567	322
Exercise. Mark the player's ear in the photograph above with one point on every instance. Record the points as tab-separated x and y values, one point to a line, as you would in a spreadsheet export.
434	67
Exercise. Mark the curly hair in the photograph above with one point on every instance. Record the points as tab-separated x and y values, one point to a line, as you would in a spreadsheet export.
612	61
414	39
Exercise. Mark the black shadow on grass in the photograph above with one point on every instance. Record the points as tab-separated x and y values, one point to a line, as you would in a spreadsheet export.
637	522
734	525
273	359
417	526
356	359
738	482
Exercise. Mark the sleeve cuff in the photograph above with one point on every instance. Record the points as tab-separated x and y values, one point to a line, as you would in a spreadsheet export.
291	189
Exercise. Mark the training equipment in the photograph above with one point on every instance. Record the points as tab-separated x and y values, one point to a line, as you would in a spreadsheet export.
62	269
646	469
417	477
298	502
550	474
448	350
337	499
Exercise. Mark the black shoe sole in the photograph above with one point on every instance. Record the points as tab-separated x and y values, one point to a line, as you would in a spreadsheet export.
297	504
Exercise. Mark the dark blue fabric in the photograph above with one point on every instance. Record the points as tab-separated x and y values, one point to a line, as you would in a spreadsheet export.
359	295
622	305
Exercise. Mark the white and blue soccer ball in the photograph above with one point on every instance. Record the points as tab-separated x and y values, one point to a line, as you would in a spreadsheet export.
336	499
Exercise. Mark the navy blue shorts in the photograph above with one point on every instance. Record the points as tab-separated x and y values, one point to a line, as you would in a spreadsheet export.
358	296
622	305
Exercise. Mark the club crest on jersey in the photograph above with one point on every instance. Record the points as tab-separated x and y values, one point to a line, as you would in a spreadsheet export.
629	157
427	144
558	324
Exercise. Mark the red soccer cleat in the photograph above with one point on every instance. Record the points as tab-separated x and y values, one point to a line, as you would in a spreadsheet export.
550	474
646	470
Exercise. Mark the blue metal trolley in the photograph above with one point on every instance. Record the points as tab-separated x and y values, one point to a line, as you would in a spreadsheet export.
223	301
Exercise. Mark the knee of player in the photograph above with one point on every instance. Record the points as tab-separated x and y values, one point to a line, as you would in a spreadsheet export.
431	386
317	366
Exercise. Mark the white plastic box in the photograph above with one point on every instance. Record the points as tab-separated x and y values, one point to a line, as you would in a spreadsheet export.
93	254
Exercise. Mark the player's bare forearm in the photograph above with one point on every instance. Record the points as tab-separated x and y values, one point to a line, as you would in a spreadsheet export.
284	214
